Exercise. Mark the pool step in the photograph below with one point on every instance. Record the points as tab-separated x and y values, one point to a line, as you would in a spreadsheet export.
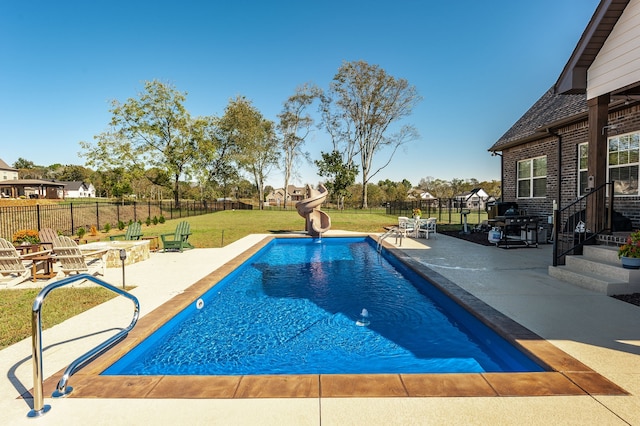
598	269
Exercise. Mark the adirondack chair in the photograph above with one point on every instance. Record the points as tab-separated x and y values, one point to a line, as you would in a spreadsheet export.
11	264
178	239
134	232
72	259
47	235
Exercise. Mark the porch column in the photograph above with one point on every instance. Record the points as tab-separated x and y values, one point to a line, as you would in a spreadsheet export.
597	161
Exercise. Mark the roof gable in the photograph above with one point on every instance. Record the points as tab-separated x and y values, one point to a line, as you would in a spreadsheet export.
573	78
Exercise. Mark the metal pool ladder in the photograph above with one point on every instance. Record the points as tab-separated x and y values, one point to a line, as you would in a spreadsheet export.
62	390
391	231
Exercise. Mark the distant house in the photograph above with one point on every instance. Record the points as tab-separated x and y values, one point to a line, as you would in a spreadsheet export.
7	172
293	194
475	199
78	190
426	196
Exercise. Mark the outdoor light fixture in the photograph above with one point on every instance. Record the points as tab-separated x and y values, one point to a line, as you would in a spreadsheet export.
123	257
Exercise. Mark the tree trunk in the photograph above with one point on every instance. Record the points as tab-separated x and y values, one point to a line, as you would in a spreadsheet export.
364	194
176	191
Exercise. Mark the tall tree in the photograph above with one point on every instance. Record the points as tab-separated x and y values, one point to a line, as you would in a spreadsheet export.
214	163
294	126
362	108
112	154
158	129
253	139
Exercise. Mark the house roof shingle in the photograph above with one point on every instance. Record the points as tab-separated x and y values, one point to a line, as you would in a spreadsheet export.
549	111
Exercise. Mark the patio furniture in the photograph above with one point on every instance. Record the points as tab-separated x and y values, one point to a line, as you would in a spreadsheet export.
73	260
46	236
11	263
46	260
406	226
134	232
427	226
177	240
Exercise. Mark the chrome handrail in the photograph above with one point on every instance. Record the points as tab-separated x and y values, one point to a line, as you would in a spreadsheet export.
39	408
382	237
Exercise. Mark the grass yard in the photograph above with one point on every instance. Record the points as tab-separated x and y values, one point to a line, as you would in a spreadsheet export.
63	303
211	230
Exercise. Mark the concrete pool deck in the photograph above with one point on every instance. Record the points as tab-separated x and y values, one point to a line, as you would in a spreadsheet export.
599	331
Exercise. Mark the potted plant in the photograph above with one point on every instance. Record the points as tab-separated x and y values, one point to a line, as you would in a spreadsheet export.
629	252
417	213
26	236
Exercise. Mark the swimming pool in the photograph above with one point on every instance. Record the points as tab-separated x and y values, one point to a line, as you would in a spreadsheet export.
296	307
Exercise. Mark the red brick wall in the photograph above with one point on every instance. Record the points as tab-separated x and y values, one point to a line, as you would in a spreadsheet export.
626	120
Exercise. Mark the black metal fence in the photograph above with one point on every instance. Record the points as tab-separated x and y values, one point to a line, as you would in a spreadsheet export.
67	218
446	210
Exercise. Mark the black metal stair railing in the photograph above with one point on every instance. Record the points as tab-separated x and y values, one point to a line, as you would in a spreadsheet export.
573	229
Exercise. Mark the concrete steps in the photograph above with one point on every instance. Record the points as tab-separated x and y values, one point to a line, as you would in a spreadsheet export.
598	269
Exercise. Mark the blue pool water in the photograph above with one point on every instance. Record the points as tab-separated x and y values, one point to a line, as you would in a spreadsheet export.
296	306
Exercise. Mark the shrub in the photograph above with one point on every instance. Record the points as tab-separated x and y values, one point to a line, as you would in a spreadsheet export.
80	232
107	227
148	221
120	225
162	219
155	220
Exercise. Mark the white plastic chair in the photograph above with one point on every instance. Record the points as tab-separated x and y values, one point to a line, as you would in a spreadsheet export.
428	226
406	226
431	227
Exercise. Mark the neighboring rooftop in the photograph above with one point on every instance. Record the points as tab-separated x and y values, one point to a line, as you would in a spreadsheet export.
5	166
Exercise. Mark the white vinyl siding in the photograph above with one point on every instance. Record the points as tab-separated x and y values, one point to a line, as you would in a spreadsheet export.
618	62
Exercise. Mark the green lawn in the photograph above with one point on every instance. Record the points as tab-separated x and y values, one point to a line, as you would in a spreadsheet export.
224	227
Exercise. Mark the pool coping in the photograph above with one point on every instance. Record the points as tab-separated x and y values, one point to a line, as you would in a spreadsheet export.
566	375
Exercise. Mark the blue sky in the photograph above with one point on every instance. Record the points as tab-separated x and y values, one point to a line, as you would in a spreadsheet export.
478	66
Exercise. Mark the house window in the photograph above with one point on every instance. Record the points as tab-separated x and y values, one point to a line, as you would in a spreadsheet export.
532	177
623	163
583	156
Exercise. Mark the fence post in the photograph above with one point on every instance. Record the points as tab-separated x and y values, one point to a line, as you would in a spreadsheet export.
118	212
98	215
38	216
72	223
135	212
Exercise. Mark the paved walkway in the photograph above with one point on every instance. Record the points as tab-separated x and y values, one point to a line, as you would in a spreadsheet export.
600	331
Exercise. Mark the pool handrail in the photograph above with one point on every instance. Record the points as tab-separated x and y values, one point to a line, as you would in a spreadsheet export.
62	390
391	231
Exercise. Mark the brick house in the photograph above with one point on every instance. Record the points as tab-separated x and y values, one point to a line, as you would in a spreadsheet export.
585	130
